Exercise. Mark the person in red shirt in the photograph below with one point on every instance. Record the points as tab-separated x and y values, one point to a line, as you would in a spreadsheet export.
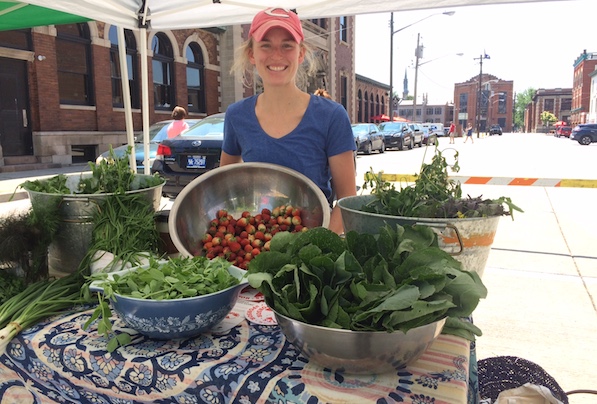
179	125
451	132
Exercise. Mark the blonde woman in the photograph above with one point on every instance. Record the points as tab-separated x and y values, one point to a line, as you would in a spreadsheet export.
285	125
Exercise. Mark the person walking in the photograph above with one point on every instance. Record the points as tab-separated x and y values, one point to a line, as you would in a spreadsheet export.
179	125
469	133
284	125
451	132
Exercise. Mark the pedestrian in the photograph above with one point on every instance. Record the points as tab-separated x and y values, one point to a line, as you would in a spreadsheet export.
451	132
469	133
283	124
179	124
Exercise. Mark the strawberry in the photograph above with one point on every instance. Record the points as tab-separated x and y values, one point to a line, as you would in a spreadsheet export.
221	213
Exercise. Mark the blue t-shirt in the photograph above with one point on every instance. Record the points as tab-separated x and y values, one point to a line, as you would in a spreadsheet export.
324	131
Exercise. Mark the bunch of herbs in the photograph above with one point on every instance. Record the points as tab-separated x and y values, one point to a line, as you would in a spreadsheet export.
433	195
398	279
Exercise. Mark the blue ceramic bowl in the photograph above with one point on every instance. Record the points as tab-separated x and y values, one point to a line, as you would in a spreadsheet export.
177	318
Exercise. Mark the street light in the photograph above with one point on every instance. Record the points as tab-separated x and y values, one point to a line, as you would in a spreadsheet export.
477	112
418	55
392	32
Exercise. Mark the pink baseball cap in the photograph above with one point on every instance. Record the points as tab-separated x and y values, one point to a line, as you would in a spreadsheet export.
276	17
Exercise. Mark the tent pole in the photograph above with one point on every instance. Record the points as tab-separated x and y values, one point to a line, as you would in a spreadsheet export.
145	100
126	96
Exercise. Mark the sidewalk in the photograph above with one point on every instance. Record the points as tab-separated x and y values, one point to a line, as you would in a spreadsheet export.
541	276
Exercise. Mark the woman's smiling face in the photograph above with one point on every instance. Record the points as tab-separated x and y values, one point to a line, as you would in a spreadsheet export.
277	57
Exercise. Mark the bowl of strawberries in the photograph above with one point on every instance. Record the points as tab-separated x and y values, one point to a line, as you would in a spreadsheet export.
235	210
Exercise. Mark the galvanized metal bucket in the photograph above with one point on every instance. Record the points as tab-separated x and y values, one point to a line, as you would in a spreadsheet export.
73	237
468	240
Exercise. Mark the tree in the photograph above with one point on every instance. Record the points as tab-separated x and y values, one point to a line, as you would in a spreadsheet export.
548	118
522	100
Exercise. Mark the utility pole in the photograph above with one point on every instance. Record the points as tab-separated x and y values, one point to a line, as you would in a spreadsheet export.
418	54
479	92
391	112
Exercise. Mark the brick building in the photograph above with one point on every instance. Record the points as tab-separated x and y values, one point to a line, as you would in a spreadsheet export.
372	98
584	65
558	101
66	81
494	106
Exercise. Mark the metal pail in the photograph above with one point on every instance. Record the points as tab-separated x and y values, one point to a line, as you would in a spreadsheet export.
73	237
468	240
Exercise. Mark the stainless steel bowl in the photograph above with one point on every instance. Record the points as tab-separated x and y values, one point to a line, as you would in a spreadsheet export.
359	352
240	187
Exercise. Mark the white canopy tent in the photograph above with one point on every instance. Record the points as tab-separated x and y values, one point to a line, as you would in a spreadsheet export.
179	14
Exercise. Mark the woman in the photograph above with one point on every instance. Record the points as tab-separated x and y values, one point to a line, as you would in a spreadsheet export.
179	125
469	133
285	125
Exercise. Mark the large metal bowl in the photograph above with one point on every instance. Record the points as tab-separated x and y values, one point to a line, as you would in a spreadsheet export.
237	188
359	352
175	318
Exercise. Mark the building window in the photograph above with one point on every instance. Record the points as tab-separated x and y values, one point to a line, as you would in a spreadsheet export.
566	104
73	57
418	111
360	107
320	22
372	110
502	103
195	79
548	105
17	39
438	111
429	111
344	29
344	91
116	72
163	72
463	102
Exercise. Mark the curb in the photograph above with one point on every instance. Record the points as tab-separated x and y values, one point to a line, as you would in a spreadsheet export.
520	181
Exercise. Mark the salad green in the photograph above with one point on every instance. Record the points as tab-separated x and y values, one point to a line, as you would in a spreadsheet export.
396	280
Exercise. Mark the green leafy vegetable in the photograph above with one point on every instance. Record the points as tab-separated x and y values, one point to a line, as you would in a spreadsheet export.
177	278
396	280
433	195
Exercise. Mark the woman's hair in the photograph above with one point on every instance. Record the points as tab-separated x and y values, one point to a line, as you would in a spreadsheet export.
179	113
243	68
322	92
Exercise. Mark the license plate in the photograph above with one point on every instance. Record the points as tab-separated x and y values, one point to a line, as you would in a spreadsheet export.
196	161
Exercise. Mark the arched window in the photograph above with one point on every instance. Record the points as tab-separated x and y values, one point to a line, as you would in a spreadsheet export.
195	79
372	108
376	104
73	56
163	72
360	106
131	64
383	104
366	109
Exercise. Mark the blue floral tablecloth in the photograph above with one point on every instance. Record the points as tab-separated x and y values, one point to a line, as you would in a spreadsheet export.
59	362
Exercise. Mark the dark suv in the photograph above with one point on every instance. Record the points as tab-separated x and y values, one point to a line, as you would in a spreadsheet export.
397	135
585	133
495	130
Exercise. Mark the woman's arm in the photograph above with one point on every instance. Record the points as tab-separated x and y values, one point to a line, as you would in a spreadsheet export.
226	159
343	183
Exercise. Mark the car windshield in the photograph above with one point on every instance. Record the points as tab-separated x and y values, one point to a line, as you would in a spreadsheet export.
390	126
359	129
208	126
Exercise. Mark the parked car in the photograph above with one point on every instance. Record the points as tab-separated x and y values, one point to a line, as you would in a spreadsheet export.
563	131
585	133
368	138
192	153
418	134
397	135
495	130
157	133
432	131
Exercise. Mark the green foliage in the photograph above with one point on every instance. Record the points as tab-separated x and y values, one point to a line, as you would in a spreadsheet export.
522	100
111	175
396	280
433	195
548	118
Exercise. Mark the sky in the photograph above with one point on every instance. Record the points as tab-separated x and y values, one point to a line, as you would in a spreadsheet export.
532	44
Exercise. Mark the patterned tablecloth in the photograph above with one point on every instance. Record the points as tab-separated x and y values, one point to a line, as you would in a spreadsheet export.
243	362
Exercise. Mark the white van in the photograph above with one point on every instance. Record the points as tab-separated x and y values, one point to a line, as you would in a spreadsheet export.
436	128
